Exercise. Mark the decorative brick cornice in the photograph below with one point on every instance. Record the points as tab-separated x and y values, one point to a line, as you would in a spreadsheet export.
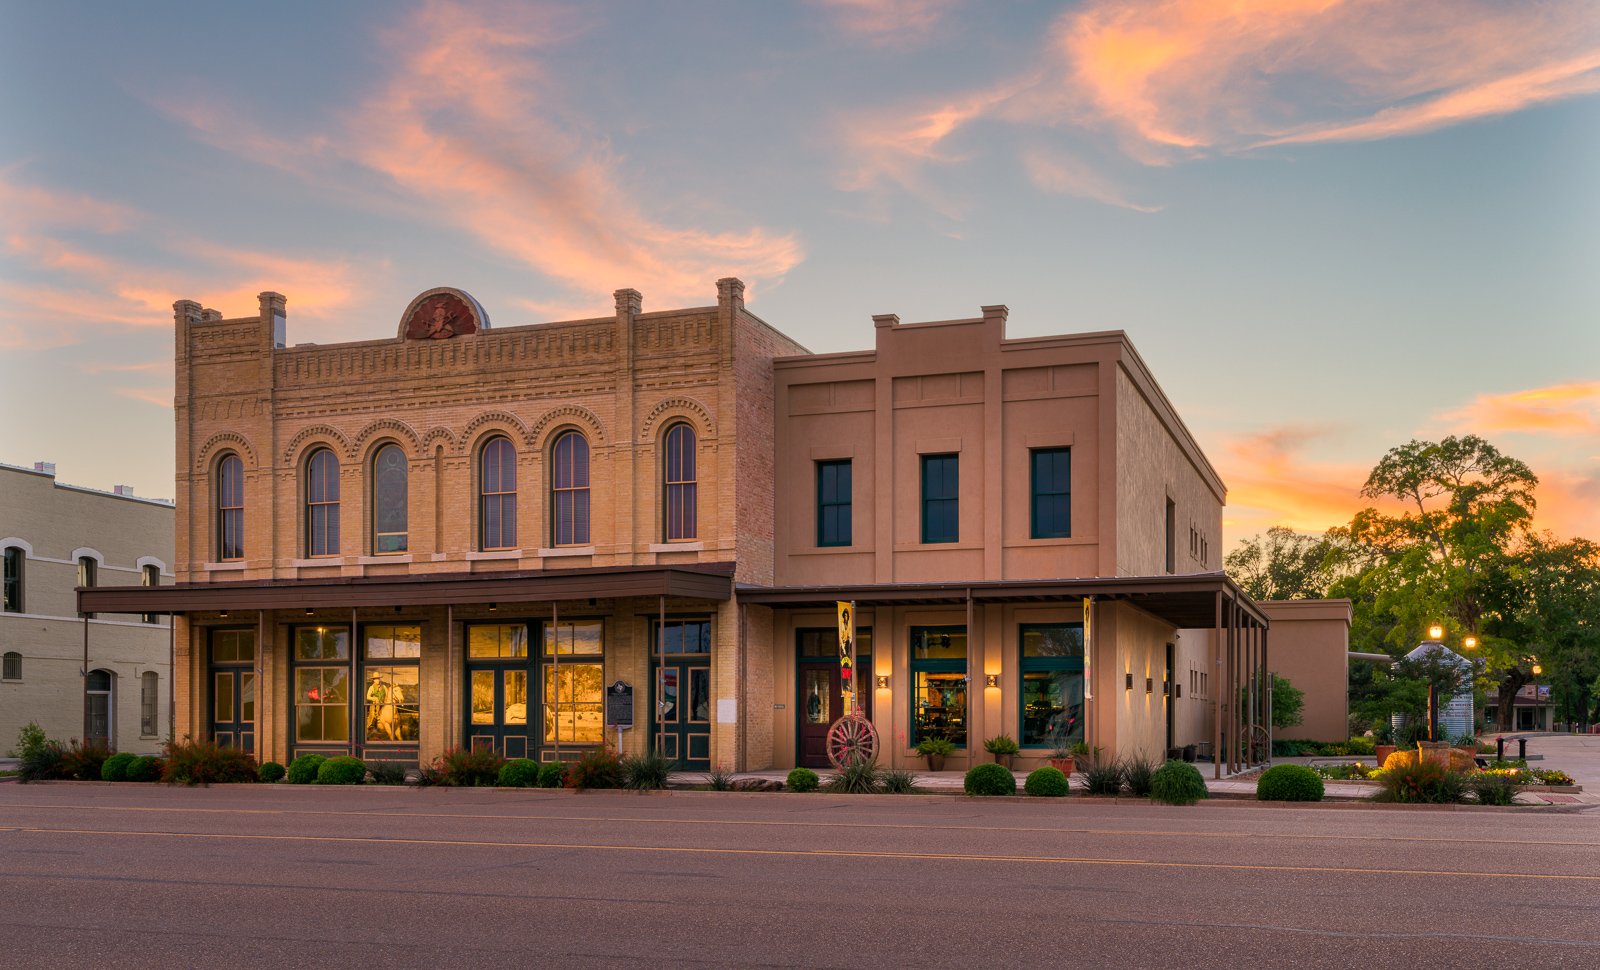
678	407
390	427
566	414
318	434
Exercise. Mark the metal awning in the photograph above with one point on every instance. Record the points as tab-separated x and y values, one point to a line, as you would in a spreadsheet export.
1187	601
703	581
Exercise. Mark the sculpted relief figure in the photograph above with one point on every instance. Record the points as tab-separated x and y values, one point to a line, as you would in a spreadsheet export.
440	318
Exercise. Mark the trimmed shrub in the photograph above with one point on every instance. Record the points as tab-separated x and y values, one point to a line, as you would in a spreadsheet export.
146	768
1047	782
343	770
1362	745
802	779
303	770
518	773
1289	783
1420	782
386	773
468	768
898	781
206	763
858	778
41	763
990	779
83	761
270	772
1178	783
1137	772
647	772
1101	777
552	774
115	767
599	768
1492	789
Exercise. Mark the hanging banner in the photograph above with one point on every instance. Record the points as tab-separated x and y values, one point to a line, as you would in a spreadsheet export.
1088	647
847	639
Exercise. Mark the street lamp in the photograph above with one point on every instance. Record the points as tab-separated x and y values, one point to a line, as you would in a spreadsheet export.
1470	642
1435	632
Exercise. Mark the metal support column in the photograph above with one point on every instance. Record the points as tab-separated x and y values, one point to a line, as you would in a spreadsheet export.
1216	698
356	693
83	675
555	666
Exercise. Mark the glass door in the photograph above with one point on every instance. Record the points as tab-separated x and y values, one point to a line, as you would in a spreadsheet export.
233	688
681	684
498	673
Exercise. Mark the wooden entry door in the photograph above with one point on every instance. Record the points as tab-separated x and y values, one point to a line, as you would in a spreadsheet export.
683	711
821	702
233	689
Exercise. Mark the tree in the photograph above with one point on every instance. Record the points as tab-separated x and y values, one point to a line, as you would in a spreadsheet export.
1288	703
1283	564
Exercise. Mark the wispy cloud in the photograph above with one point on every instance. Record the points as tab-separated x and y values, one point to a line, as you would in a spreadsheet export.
889	23
1272	480
1560	409
1061	173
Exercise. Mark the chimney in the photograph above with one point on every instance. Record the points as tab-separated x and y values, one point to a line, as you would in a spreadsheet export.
48	467
125	490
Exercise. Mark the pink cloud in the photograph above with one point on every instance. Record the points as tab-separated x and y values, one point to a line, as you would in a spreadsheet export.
28	205
1560	409
1060	173
889	23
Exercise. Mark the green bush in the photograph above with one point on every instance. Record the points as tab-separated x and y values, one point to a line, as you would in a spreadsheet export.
1047	782
41	763
1137	772
1362	745
647	772
115	767
990	779
518	773
935	746
599	768
1289	783
552	774
1421	782
1178	783
1001	744
1100	775
469	767
858	778
147	768
270	772
83	761
343	770
1492	789
30	738
898	781
801	779
206	763
303	770
386	773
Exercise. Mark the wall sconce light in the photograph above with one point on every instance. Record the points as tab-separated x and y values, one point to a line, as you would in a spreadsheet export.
1435	632
493	607
1166	688
310	611
1128	680
883	681
991	680
1149	685
223	614
1177	690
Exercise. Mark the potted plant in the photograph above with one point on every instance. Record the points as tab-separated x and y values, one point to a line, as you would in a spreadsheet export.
1064	754
1003	747
935	750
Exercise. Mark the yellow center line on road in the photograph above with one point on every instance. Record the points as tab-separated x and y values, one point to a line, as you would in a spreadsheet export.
813	853
830	824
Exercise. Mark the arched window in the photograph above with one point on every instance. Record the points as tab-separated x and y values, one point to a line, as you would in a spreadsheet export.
15	557
389	500
497	495
322	504
678	485
88	569
98	710
230	508
149	691
569	491
11	666
150	575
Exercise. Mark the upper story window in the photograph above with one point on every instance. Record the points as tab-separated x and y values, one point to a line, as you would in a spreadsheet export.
833	503
11	666
88	569
389	467
230	508
322	504
149	576
1050	476
679	500
569	490
497	494
15	558
941	507
1172	537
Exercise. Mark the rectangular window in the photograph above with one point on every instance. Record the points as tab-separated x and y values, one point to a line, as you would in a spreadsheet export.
1050	471
574	682
1172	537
391	683
683	636
492	641
939	684
14	558
321	693
150	576
1051	663
941	481
87	570
833	503
149	688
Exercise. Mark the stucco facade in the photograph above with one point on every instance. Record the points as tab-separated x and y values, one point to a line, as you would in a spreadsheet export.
1311	649
337	504
46	528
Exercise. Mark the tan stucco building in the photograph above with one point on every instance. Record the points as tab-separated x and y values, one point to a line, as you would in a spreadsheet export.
467	534
54	538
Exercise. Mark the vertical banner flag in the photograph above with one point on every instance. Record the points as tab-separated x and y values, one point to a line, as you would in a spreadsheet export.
847	653
1088	647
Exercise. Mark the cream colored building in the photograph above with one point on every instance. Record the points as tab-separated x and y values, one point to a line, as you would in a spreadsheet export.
55	538
469	534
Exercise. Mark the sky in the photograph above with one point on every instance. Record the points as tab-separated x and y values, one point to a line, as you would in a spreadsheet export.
1329	226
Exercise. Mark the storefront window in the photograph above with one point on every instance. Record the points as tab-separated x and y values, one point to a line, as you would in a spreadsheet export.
490	640
1052	684
322	643
322	704
391	683
685	636
939	684
574	689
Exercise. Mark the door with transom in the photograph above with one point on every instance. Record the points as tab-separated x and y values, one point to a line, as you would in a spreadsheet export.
681	683
499	666
233	688
820	689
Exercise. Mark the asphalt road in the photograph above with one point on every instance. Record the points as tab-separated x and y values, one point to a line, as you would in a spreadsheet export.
148	876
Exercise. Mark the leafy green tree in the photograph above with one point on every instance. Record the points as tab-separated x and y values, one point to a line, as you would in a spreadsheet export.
1288	703
1282	564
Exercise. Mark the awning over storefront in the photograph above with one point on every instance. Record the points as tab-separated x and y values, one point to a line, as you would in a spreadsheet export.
1186	601
705	581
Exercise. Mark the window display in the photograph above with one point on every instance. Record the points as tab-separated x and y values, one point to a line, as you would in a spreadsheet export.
1052	684
939	684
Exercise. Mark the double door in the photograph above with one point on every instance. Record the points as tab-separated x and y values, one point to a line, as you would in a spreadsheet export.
233	688
682	722
497	715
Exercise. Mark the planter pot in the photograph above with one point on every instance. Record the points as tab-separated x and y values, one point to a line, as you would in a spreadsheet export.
1065	765
1382	752
1003	760
935	762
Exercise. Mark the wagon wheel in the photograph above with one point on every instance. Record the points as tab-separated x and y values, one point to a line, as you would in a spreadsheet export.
1258	744
852	740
